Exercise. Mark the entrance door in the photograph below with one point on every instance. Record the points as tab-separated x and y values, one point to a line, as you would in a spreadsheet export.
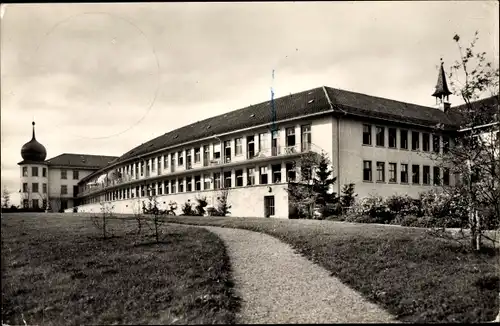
269	206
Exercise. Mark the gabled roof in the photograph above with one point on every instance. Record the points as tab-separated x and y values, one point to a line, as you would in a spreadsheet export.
484	111
84	161
308	102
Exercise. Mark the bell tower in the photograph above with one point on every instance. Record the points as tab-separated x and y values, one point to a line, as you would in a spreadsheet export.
442	91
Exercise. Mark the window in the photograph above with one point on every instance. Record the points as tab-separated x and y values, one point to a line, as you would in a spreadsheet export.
379	134
181	185
251	176
415	170
189	184
446	176
238	150
172	162
274	144
165	161
142	168
206	155
435	143
173	186
44	172
392	172
25	187
306	137
263	141
197	182
446	144
34	171
136	170
153	164
227	151
197	155
34	187
166	186
180	158
147	168
217	150
290	136
276	173
367	134
227	179
188	159
437	175
217	181
426	145
415	141
142	191
263	175
26	203
158	161
392	138
44	188
239	178
290	172
427	174
367	170
76	175
35	203
64	174
206	181
403	139
404	173
380	171
64	190
25	171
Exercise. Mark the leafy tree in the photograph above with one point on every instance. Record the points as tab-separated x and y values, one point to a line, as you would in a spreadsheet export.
201	204
223	206
474	155
348	197
312	187
187	208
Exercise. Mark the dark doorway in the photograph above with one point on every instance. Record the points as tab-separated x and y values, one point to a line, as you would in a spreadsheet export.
269	206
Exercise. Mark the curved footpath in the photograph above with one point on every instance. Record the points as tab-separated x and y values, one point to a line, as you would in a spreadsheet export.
278	285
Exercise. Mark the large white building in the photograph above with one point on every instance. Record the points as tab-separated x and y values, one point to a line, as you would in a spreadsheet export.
380	145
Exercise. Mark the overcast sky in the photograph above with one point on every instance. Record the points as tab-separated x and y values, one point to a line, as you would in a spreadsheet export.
104	78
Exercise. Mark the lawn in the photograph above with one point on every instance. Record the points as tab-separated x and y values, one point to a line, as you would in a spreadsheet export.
57	271
415	276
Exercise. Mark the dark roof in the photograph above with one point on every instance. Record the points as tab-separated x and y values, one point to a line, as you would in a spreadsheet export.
297	105
484	111
81	161
442	89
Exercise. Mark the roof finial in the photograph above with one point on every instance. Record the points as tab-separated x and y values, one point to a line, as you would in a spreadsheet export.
33	123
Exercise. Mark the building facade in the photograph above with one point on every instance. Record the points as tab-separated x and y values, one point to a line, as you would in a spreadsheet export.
52	185
383	146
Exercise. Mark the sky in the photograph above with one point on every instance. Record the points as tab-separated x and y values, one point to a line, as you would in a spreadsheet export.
104	78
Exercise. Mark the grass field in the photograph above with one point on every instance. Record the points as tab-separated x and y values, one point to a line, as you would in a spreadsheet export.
416	277
57	271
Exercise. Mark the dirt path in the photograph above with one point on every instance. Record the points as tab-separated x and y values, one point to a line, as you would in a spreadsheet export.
278	285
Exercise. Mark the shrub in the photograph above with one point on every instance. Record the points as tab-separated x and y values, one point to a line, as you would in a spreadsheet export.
347	197
200	207
447	209
416	221
375	207
187	208
360	218
403	205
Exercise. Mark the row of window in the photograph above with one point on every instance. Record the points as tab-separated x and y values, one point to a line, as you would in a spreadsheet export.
35	188
34	173
404	173
207	182
194	155
35	203
404	136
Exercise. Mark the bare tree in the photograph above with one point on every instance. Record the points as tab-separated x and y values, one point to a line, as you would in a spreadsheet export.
474	157
101	222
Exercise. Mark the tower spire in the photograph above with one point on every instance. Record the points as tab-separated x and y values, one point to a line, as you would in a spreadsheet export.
33	123
442	92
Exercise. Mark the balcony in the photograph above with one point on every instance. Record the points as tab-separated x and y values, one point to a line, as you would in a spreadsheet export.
277	151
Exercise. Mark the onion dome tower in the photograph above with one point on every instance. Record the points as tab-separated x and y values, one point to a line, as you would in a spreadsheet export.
442	91
34	175
33	151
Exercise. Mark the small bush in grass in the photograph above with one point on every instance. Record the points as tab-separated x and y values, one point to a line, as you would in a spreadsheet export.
187	208
200	206
361	218
402	205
